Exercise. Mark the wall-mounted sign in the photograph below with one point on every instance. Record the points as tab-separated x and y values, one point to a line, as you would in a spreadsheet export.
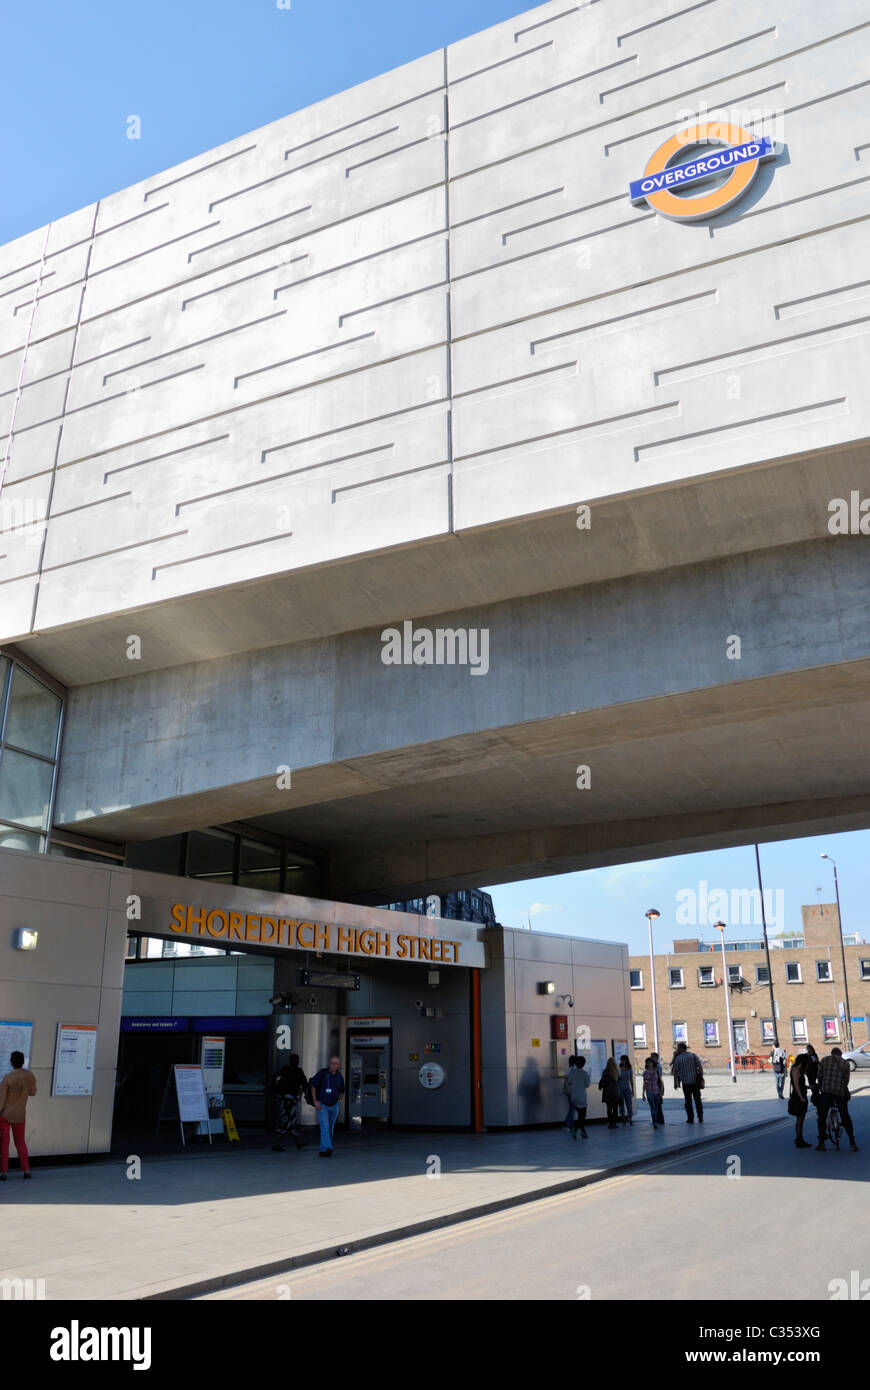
433	1047
369	1021
223	924
74	1059
734	149
15	1036
212	1060
431	1076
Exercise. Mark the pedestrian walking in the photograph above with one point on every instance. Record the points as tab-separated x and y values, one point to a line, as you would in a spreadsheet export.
326	1088
288	1085
609	1088
654	1058
580	1081
566	1087
652	1090
688	1073
834	1090
626	1091
779	1060
16	1088
798	1099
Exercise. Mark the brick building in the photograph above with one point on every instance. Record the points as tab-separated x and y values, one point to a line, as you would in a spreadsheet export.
807	977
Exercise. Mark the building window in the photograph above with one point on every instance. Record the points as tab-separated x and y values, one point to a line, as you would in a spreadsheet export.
792	972
865	969
676	979
640	1034
768	1032
681	1032
830	1029
762	975
636	979
823	970
705	975
30	719
799	1029
711	1032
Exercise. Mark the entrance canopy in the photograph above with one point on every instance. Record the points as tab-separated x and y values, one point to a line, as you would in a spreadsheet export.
243	919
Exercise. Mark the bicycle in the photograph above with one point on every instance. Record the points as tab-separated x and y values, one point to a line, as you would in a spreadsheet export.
834	1129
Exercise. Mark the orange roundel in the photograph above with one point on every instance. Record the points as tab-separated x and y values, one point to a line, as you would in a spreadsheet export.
721	133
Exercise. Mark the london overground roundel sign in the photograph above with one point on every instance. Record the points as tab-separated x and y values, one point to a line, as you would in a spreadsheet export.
731	147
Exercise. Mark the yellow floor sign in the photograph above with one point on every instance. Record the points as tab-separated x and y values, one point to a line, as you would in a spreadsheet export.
230	1125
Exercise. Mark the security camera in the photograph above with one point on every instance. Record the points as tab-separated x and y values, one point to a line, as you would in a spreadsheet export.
418	1003
312	1001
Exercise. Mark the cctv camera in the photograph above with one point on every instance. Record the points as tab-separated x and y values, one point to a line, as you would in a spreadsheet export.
312	1000
418	1003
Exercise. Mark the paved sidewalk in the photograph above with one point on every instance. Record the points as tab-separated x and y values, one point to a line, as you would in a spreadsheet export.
200	1220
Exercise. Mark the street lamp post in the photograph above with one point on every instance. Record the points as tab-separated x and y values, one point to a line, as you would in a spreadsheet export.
842	953
720	926
653	916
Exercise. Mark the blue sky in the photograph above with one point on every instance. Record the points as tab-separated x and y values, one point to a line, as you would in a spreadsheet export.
197	75
611	903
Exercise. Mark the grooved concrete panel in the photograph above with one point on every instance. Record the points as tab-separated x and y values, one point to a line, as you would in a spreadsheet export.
427	305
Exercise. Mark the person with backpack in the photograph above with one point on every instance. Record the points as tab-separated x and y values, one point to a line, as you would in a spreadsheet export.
579	1081
779	1060
288	1085
326	1089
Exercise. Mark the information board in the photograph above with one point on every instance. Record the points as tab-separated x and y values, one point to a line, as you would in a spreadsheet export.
597	1058
15	1036
74	1059
212	1053
190	1091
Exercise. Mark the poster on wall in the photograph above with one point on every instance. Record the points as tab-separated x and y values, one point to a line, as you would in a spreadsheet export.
16	1035
213	1052
74	1059
620	1049
597	1058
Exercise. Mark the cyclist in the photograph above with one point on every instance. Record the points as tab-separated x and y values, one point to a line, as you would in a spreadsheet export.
834	1090
288	1085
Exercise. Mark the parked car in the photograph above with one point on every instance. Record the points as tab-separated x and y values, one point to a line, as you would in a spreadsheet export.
859	1058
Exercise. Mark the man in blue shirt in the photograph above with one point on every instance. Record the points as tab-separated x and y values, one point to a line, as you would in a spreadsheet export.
327	1089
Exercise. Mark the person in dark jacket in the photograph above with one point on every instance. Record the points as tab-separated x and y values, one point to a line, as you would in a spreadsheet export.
798	1100
288	1085
327	1089
812	1073
609	1088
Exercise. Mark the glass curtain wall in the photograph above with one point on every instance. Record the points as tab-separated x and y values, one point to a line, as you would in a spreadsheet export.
30	722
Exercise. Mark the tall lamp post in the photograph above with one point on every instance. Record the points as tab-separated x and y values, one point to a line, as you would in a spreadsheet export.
720	927
652	916
842	953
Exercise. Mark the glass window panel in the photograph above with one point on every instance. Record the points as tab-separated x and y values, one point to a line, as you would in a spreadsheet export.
33	718
25	789
210	855
5	668
260	866
161	856
10	838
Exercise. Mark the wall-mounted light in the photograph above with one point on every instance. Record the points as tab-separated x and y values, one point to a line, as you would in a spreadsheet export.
546	987
24	939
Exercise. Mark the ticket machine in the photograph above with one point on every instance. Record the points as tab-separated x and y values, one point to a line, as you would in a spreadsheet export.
369	1082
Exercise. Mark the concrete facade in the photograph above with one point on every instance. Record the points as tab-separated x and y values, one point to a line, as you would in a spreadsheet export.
363	365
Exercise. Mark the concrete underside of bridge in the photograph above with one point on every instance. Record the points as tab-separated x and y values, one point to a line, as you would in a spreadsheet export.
416	778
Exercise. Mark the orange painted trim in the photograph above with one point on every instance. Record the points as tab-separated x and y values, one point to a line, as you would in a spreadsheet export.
476	1056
